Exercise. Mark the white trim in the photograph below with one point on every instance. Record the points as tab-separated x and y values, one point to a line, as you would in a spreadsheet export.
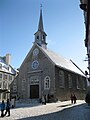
47	82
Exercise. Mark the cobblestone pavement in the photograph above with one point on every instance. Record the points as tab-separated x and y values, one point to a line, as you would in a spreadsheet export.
50	111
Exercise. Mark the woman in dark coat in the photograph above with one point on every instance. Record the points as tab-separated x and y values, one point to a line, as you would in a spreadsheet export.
74	98
2	108
8	107
71	97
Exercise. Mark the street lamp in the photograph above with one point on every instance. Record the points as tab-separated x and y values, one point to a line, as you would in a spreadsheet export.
83	5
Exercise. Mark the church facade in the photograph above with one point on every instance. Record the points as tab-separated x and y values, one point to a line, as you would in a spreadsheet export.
43	72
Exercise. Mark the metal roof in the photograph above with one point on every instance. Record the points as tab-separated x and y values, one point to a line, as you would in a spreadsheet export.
60	61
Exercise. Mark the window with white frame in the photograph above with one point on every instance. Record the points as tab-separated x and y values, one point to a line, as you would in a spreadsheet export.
23	84
5	85
61	79
10	77
69	81
5	77
47	82
0	76
78	82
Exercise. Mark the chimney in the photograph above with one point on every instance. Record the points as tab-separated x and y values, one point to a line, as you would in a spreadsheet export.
8	59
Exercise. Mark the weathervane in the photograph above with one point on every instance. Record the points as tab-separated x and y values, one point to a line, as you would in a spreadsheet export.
41	6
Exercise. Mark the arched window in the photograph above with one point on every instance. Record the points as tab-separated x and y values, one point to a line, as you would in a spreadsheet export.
69	81
61	79
37	37
43	37
78	82
84	84
47	82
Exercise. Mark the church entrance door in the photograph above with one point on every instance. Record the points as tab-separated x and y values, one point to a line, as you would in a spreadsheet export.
34	91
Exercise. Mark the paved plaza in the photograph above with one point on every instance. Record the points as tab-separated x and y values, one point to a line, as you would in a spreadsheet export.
50	111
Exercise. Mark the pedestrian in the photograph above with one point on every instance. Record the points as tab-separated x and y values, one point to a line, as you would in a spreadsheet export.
45	99
13	102
7	107
74	98
71	97
2	108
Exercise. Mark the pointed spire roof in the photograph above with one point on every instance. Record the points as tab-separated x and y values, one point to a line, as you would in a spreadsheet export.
40	26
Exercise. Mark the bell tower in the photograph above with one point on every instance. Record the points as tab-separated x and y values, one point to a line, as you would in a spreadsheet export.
40	35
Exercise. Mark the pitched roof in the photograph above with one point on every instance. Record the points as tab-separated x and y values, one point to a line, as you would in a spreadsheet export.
60	61
6	68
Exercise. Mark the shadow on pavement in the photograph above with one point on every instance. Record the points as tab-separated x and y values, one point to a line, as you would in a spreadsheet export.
65	105
78	112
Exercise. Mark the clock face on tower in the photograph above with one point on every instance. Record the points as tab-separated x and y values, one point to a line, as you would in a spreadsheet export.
35	64
36	51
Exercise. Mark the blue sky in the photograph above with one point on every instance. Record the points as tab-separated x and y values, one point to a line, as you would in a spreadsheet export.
63	22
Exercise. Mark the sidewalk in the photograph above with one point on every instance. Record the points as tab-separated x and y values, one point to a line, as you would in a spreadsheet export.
42	112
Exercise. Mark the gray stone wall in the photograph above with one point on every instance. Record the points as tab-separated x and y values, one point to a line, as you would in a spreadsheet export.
64	93
45	68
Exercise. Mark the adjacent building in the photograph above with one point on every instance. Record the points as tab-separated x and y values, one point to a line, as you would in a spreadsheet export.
85	6
7	75
44	72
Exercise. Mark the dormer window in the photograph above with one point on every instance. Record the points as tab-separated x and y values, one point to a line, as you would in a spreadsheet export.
0	66
0	76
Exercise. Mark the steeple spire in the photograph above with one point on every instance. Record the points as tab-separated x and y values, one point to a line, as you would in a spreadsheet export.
40	26
40	35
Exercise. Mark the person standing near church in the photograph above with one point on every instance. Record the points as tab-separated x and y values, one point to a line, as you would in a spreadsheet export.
2	108
74	98
45	99
71	97
7	107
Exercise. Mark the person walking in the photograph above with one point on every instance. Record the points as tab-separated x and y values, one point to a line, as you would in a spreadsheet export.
71	97
7	107
45	99
74	98
2	108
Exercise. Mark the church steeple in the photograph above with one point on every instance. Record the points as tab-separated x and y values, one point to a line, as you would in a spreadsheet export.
40	26
40	35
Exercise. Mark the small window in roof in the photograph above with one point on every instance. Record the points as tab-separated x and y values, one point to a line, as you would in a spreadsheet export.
1	76
0	66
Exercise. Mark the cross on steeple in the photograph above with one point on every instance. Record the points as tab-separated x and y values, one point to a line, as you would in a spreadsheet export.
40	6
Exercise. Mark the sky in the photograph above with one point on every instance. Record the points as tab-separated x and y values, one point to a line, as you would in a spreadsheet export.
63	22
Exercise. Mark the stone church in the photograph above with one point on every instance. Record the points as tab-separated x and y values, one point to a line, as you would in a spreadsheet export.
44	72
